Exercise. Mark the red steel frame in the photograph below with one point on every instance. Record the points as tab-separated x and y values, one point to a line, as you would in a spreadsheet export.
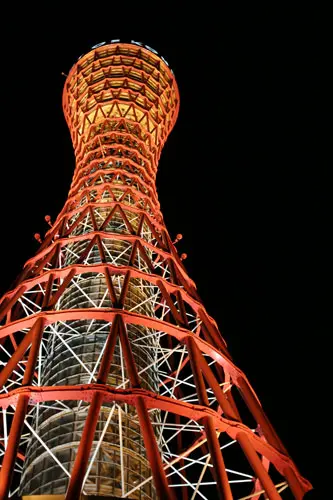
136	116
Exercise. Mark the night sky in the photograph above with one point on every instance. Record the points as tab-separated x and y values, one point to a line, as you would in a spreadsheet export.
243	176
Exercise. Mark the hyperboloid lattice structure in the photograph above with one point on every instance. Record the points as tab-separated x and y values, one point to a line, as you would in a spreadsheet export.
115	381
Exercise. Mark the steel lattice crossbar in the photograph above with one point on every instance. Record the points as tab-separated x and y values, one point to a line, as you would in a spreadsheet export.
115	382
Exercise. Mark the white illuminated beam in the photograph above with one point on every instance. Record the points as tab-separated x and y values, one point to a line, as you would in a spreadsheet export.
4	411
98	445
71	351
172	393
160	360
121	452
191	485
46	448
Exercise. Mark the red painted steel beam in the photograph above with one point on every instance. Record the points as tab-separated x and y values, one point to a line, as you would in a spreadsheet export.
294	483
83	452
15	358
199	363
84	190
68	272
254	406
153	454
110	236
129	79
222	481
128	354
117	131
153	401
114	135
114	172
8	462
148	173
257	466
223	486
130	318
6	306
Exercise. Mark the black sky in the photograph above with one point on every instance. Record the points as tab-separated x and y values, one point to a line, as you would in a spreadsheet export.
244	177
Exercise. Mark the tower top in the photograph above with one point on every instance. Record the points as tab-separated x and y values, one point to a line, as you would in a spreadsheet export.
124	42
126	83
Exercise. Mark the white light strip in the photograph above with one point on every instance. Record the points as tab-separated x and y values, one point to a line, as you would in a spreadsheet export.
98	444
46	448
191	485
71	351
5	434
14	492
121	452
84	294
173	388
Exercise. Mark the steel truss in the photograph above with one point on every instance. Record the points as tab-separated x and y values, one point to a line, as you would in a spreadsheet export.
115	381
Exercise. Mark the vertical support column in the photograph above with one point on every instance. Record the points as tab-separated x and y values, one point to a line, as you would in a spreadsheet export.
211	380
128	355
294	483
14	438
222	481
197	375
180	449
7	304
48	291
124	290
15	359
153	454
83	452
87	437
212	441
257	466
259	415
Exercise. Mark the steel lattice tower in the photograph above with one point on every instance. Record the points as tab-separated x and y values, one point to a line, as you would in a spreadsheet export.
115	381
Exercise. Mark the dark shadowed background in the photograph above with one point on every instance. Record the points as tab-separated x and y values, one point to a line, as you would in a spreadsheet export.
244	177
